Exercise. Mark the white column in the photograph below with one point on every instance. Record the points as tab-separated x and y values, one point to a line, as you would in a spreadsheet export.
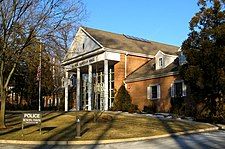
89	86
55	101
110	88
78	89
66	91
106	84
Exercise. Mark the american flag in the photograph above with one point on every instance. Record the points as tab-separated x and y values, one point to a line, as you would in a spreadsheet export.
39	73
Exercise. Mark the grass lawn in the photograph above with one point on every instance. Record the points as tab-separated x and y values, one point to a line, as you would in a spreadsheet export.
110	125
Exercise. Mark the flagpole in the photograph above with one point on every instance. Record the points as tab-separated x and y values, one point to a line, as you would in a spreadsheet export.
39	84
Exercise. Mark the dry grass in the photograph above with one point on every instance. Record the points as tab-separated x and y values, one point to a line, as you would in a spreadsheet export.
61	126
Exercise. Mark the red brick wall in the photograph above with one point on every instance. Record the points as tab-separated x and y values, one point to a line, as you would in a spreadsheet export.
119	72
138	92
133	63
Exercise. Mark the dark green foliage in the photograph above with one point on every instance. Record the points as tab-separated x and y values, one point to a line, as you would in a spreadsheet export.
151	108
183	106
133	108
204	49
122	101
177	105
24	79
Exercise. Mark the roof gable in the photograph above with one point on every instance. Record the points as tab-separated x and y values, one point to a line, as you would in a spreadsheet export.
82	43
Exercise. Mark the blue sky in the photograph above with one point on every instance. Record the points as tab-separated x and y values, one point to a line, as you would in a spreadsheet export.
164	21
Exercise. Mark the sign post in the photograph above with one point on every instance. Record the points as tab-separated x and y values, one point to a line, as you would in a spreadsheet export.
31	118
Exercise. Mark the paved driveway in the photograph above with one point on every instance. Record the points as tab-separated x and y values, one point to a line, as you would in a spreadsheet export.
196	141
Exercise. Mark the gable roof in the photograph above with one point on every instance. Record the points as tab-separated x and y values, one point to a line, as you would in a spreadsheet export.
123	42
147	71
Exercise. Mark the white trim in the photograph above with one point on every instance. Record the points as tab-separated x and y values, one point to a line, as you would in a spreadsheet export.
129	53
66	90
91	37
180	49
158	91
89	87
166	54
114	56
94	59
184	88
106	84
149	91
78	89
125	63
172	90
83	56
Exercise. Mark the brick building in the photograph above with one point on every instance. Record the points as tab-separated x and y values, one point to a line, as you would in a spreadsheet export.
99	62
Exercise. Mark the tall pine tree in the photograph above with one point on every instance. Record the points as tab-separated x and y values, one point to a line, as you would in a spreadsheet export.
204	49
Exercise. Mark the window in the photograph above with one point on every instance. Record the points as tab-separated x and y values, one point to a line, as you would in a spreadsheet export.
83	46
160	62
111	87
153	92
178	89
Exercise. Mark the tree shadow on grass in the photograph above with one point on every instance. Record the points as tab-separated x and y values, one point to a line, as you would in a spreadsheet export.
101	136
66	134
69	133
14	123
184	140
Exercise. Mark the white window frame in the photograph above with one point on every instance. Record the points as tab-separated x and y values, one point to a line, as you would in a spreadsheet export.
184	88
149	92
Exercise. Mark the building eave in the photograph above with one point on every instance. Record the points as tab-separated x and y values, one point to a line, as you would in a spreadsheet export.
152	77
130	53
166	54
83	56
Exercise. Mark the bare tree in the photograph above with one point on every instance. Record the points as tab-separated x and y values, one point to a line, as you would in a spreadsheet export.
24	22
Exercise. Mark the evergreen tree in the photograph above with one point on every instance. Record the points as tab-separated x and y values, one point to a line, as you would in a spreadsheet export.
204	49
24	79
122	100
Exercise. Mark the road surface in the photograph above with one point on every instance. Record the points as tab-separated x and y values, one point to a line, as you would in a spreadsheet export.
197	141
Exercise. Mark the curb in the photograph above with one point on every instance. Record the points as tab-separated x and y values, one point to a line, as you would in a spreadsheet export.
220	126
91	142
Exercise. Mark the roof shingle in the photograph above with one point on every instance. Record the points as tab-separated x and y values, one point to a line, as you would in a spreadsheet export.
121	42
148	71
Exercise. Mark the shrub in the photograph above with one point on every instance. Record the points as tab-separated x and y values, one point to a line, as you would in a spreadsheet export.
150	108
178	106
122	101
133	109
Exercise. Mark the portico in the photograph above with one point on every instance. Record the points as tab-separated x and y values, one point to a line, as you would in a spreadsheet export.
94	81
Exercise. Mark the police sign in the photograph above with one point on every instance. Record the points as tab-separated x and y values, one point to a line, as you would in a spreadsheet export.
31	118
